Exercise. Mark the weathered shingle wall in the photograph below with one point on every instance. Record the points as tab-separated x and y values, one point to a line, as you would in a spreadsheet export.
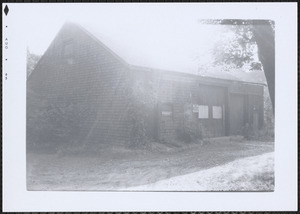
176	94
175	97
79	76
91	77
183	93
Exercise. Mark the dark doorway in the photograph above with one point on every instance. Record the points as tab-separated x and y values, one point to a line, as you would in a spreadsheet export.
236	114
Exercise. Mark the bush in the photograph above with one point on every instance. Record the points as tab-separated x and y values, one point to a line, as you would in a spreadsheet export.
137	129
142	101
264	134
189	132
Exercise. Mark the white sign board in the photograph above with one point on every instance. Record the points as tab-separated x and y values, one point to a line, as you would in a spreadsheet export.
166	113
217	112
203	112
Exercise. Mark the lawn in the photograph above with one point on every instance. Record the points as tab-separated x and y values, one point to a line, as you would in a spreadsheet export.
121	168
247	174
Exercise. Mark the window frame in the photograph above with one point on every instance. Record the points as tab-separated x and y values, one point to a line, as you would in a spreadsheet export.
69	53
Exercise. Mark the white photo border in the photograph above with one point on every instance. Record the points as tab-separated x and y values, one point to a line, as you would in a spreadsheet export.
15	196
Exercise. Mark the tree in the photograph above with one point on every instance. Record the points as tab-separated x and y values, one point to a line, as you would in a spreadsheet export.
142	102
239	51
265	38
32	60
236	48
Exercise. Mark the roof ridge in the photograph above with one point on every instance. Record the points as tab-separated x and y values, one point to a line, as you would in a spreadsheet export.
99	42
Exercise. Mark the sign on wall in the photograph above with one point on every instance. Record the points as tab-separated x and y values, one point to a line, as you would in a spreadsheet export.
166	113
203	112
195	108
217	112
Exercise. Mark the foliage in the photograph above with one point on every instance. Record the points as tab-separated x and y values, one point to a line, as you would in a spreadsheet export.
32	60
239	22
189	133
260	32
238	44
236	47
137	124
248	132
266	133
142	101
256	66
190	130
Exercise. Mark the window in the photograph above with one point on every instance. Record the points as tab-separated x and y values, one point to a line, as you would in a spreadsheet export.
217	112
203	112
68	50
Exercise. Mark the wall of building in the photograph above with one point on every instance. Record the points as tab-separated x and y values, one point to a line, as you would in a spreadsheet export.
77	69
246	107
178	98
186	95
115	101
229	105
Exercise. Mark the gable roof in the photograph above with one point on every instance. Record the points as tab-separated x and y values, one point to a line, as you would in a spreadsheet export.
146	47
148	54
254	76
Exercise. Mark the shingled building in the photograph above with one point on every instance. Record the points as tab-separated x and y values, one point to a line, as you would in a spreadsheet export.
86	92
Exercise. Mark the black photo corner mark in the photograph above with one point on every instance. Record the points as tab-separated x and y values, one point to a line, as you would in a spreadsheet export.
6	10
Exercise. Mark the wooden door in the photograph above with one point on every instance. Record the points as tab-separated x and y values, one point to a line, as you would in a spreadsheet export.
236	114
255	121
217	120
166	125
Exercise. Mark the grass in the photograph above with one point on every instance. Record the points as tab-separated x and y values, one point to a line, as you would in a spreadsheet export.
247	174
118	167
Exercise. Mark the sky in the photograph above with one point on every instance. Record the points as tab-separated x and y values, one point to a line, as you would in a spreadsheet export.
138	32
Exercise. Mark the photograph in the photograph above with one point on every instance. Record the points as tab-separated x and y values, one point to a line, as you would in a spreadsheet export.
176	103
149	107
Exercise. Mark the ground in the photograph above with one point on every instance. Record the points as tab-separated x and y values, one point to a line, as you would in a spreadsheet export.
246	174
218	165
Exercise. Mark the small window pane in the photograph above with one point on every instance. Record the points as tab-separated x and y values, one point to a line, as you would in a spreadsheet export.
203	111
217	112
68	49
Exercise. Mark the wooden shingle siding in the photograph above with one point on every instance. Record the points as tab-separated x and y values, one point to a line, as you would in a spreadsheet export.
181	92
96	80
79	69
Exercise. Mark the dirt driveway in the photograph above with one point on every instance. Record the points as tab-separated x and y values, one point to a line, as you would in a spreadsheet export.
119	168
